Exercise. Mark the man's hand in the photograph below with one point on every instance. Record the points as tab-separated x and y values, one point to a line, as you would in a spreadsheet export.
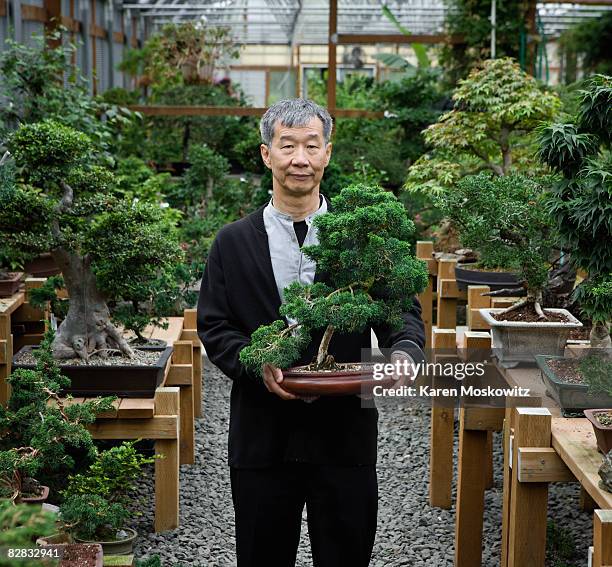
273	377
405	376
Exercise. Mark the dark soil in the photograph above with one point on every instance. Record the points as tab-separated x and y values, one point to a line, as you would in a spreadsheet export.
478	268
567	370
527	314
604	418
580	334
141	358
335	367
79	556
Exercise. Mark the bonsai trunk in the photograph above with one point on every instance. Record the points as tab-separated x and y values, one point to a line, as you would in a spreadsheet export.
323	359
533	298
600	336
87	327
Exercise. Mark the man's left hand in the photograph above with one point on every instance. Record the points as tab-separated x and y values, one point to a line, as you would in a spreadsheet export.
404	375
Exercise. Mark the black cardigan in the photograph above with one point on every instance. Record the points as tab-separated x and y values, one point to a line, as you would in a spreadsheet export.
238	294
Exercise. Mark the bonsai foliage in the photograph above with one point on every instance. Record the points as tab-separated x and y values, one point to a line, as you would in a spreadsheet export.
496	109
581	200
95	505
56	198
505	218
38	431
371	278
597	373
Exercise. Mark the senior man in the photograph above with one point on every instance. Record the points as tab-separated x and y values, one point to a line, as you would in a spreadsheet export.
284	453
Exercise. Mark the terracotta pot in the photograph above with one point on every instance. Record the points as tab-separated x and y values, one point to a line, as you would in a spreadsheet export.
11	284
514	342
118	547
332	383
90	381
466	276
603	433
37	499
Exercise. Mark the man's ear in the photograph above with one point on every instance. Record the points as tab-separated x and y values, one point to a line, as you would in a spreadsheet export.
265	155
328	152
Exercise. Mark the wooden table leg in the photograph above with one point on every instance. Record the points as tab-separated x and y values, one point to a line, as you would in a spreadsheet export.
183	358
528	501
473	471
441	456
602	538
490	481
167	468
5	367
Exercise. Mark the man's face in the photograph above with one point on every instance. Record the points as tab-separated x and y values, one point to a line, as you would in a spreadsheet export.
297	157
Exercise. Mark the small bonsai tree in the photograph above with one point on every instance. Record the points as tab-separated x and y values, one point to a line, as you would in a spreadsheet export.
55	198
371	278
496	109
504	218
581	203
96	502
38	430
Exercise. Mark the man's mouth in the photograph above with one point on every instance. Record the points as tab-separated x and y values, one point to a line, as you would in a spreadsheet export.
300	175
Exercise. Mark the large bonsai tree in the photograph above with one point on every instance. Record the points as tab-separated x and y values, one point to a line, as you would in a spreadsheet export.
581	200
54	197
371	278
496	109
505	218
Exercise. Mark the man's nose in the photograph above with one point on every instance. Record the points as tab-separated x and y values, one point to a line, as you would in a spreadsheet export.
299	158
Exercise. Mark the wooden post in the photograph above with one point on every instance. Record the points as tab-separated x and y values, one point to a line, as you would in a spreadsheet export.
476	301
602	538
473	470
190	333
53	20
167	402
94	47
442	437
447	306
183	355
424	251
528	501
5	368
587	504
331	56
490	481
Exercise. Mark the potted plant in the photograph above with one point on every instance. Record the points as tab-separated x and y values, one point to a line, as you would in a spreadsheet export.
55	197
10	278
38	432
371	277
580	207
506	218
95	507
601	420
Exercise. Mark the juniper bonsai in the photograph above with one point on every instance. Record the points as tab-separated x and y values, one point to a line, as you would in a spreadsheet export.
55	198
581	203
371	277
505	219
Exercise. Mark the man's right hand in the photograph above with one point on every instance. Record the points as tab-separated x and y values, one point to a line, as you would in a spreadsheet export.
273	377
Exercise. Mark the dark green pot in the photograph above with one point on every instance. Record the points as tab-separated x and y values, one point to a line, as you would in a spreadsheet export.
569	396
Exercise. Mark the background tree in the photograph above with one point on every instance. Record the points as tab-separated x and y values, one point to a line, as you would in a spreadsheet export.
581	200
372	277
497	109
59	200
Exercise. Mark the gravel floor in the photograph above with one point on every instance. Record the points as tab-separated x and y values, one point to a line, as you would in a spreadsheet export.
409	531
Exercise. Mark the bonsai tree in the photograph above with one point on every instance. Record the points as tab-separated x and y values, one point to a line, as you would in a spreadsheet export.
95	506
580	202
496	109
371	278
38	431
55	198
505	219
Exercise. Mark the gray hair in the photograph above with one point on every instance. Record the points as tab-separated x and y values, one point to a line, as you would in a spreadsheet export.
293	113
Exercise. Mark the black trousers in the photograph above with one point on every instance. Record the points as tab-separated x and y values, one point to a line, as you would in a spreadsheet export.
341	506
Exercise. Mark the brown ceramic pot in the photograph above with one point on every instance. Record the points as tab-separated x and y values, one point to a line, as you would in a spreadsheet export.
332	383
603	433
11	284
37	499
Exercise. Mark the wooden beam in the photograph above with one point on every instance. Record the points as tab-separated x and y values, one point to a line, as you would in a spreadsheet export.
447	306
3	351
167	401
331	56
98	31
33	13
2	8
483	419
180	375
602	538
470	495
134	408
542	464
157	427
71	24
528	501
373	38
183	358
119	37
53	20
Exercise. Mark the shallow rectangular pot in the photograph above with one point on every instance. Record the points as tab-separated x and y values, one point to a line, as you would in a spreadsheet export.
603	433
11	284
514	342
569	396
123	381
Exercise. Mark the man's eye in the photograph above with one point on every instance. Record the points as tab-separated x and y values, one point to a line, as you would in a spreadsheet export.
287	147
312	147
